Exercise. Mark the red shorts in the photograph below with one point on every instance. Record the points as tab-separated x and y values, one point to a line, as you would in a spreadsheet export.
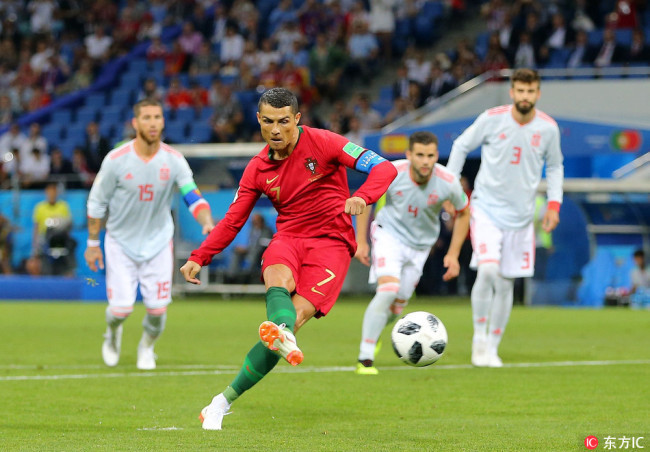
319	266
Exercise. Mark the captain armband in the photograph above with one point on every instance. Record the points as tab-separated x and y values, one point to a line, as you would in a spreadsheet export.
367	161
193	199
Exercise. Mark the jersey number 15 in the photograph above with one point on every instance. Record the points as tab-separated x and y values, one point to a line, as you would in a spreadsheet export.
146	192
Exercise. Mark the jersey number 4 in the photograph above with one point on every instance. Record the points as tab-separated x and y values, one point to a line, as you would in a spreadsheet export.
413	210
146	192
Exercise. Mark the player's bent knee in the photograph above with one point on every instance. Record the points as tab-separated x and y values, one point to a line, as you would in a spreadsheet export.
489	271
154	321
120	311
279	276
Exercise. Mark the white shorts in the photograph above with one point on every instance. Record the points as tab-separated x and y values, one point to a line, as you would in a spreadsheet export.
123	275
514	250
390	257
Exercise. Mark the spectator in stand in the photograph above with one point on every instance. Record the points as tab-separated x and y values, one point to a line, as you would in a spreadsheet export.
495	58
60	167
34	140
55	75
81	79
98	45
584	14
126	30
267	55
419	67
227	120
190	40
286	36
39	99
40	59
559	36
640	275
401	107
202	22
177	96
401	84
610	52
157	50
582	52
440	82
369	118
494	13
205	61
96	146
175	60
198	96
354	130
149	30
524	56
326	63
271	77
12	139
625	15
232	45
246	262
41	15
151	90
6	245
382	24
83	175
282	14
219	21
639	51
34	168
363	50
6	110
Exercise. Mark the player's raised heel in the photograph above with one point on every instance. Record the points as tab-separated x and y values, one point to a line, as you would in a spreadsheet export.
282	341
211	416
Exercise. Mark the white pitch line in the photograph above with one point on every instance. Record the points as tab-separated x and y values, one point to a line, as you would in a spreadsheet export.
303	369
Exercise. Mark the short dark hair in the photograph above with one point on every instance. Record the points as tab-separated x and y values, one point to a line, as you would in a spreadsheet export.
279	98
639	253
146	102
422	137
525	75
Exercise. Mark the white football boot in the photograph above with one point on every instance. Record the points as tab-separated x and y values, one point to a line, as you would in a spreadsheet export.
212	415
146	357
480	356
280	340
111	346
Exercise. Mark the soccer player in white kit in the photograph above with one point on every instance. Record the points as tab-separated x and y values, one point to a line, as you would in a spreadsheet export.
135	186
405	228
516	141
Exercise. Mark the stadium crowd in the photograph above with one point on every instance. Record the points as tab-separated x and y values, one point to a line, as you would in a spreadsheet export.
214	58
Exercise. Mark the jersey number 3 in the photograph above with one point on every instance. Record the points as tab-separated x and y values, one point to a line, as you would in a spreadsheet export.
146	192
516	157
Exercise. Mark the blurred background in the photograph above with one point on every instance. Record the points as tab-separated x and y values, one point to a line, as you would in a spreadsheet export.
372	70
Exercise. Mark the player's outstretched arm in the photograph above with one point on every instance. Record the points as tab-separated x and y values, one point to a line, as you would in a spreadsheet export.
189	272
363	248
458	236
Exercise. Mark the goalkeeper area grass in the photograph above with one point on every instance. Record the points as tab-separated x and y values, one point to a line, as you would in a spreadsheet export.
568	374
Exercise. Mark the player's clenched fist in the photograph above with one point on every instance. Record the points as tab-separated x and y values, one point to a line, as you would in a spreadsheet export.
189	272
354	205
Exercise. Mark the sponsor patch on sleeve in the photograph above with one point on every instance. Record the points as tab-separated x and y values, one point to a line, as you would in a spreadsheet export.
353	150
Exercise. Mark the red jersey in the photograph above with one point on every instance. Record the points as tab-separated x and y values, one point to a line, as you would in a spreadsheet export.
308	189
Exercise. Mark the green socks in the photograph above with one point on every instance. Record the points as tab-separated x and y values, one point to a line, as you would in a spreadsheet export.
260	360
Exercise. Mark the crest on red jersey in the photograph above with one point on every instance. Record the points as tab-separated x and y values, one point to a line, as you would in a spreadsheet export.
311	164
535	141
433	198
164	173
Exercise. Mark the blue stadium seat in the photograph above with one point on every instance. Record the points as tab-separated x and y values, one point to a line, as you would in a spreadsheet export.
623	36
131	81
67	145
157	67
386	93
107	128
97	100
185	115
122	97
52	132
138	66
402	28
63	117
76	133
200	132
205	80
114	114
206	113
433	10
559	57
175	132
595	37
87	114
423	31
382	107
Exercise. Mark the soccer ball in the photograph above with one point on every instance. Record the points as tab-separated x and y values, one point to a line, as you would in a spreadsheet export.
419	338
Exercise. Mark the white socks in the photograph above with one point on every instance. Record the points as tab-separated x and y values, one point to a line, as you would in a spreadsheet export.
375	319
492	297
153	326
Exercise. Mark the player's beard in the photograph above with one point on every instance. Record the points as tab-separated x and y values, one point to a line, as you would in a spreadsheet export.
524	110
142	134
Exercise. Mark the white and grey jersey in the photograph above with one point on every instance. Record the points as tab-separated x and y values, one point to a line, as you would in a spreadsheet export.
412	211
137	196
512	158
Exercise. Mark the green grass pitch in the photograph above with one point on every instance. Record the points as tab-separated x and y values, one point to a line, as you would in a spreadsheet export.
570	374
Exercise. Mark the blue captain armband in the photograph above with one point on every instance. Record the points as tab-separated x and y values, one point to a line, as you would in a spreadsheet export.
367	161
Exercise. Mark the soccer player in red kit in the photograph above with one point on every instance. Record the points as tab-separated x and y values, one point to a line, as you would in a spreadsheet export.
303	172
